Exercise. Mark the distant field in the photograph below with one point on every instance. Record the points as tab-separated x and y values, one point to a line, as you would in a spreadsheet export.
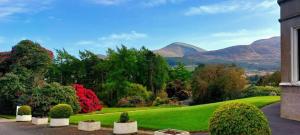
191	118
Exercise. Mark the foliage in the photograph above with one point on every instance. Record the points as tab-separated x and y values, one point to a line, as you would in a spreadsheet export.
137	90
24	110
133	101
11	88
124	117
238	118
88	70
111	77
42	99
88	100
270	80
178	89
179	72
23	70
33	57
253	91
190	118
217	82
159	101
61	111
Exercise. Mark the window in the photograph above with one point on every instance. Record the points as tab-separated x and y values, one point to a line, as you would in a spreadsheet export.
295	53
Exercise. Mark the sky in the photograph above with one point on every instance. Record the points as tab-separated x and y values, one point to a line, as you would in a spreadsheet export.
97	25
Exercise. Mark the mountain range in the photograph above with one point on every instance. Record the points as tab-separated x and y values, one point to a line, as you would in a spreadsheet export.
263	54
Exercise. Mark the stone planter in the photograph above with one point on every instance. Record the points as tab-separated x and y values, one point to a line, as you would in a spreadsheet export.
39	121
125	128
55	122
23	118
89	126
171	132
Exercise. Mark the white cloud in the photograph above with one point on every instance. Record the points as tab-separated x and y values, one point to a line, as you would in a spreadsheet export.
233	6
12	7
85	42
124	36
113	39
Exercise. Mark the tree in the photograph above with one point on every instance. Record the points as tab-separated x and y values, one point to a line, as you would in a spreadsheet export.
217	82
270	79
30	55
152	70
177	89
66	69
179	72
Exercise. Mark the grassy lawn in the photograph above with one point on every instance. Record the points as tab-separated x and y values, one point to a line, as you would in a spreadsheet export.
191	118
125	109
7	116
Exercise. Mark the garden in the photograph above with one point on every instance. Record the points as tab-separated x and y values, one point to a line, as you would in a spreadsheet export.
131	89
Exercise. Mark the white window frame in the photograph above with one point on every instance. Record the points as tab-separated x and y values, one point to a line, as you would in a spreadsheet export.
295	79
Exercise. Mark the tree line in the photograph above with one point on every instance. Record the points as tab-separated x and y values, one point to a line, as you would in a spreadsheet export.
126	77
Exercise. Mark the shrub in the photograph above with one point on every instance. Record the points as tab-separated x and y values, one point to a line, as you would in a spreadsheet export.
134	101
113	92
24	110
42	99
124	117
178	89
237	118
213	83
137	90
61	111
88	100
159	101
253	91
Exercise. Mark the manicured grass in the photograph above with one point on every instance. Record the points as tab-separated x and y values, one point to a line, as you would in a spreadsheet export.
191	118
7	116
125	109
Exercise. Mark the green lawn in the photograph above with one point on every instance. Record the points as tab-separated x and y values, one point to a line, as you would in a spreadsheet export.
7	116
191	118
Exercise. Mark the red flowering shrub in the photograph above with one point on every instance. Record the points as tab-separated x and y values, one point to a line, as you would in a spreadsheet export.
88	100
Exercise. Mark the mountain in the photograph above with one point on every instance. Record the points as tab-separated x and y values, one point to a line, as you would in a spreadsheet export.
262	54
101	56
179	49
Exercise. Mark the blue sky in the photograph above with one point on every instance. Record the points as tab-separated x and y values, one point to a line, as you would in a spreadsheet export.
96	25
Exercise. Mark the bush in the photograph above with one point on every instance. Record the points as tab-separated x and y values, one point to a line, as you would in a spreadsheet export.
177	89
112	93
134	101
42	99
159	101
61	111
253	91
124	117
137	90
24	110
213	83
237	118
88	100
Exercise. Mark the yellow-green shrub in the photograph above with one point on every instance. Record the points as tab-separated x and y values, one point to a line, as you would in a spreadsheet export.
238	118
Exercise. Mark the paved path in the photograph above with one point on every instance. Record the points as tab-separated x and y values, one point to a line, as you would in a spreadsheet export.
279	125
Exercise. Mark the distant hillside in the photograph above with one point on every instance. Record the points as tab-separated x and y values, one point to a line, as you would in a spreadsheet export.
262	54
101	56
178	49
